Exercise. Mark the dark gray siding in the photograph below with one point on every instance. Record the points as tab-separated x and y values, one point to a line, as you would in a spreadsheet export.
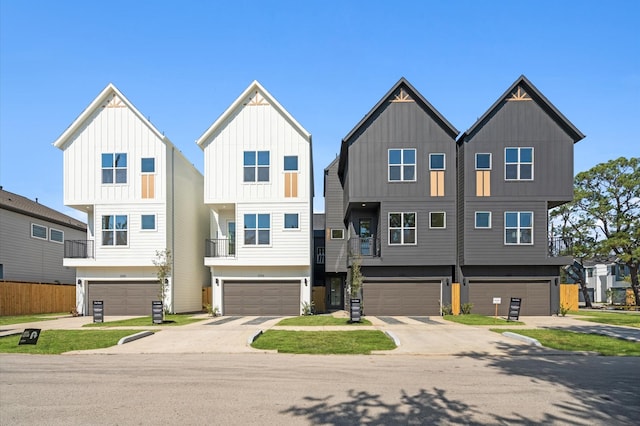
31	259
335	250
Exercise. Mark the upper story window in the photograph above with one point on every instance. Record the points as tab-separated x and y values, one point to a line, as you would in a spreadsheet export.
518	163
437	220
148	182
483	161
257	229
38	231
337	234
290	163
518	228
483	220
148	222
114	168
320	255
56	235
256	166
402	228
402	165
291	221
436	162
114	230
148	165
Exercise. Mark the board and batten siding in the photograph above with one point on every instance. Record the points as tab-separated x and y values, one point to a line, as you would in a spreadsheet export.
254	128
335	249
31	259
111	130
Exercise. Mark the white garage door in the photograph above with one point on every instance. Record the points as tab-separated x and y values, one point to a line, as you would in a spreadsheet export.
401	298
280	298
124	298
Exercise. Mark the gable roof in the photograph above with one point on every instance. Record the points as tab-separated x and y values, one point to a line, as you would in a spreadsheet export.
539	99
254	88
107	93
416	96
19	204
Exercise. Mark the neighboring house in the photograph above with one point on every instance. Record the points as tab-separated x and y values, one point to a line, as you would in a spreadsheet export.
398	173
335	265
259	190
141	195
514	164
32	241
604	276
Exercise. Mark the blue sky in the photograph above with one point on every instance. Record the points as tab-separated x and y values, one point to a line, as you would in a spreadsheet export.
327	62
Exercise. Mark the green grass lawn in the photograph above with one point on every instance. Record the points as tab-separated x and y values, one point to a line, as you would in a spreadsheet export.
570	341
357	342
475	319
19	319
612	318
321	320
59	341
178	319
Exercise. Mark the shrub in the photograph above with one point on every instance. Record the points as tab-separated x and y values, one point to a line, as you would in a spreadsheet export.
307	308
447	310
466	308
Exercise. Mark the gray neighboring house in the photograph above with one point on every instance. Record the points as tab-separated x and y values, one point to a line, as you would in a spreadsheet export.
397	168
32	241
514	165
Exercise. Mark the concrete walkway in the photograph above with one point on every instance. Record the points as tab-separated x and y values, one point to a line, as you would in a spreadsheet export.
414	335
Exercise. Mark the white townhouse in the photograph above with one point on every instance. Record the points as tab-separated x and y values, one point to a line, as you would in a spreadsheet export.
141	195
259	189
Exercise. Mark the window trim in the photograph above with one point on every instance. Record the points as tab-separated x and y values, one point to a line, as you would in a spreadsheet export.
155	223
114	169
56	230
256	167
284	222
519	163
332	230
444	220
402	229
475	220
256	229
114	245
402	165
518	228
284	162
444	161
490	161
46	232
154	165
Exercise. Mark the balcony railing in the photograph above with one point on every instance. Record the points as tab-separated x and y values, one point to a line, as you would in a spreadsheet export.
220	247
78	249
364	246
560	246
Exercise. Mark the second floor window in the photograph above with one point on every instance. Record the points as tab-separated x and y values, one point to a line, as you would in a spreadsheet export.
114	168
436	162
291	221
337	234
518	228
114	230
518	163
256	166
148	222
402	165
320	255
483	161
402	228
257	229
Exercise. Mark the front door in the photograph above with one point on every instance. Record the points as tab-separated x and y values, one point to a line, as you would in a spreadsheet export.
335	293
365	237
231	236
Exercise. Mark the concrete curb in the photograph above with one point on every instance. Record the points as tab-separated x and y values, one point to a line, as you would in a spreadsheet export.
131	338
393	337
253	337
522	338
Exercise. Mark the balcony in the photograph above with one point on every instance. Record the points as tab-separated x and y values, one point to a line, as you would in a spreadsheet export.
560	246
220	247
365	247
78	249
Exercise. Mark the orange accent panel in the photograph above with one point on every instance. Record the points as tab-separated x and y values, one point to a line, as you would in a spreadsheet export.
483	183
455	298
148	186
290	185
487	182
437	183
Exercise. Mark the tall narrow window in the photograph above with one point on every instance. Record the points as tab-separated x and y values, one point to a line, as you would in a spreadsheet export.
402	228
483	174
402	165
114	168
257	229
436	174
148	169
518	227
114	230
256	166
518	163
290	176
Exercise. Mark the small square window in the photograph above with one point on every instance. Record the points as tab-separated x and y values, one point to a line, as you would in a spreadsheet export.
483	161
483	220
437	220
148	165
291	163
56	235
291	221
436	162
148	222
337	234
38	231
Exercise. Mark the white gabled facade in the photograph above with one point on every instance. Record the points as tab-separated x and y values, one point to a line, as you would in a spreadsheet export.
258	184
141	195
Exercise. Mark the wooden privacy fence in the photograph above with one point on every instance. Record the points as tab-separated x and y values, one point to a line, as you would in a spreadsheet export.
206	296
569	296
29	298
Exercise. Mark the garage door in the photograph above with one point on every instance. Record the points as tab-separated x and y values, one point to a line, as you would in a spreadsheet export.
536	297
261	298
124	298
415	298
